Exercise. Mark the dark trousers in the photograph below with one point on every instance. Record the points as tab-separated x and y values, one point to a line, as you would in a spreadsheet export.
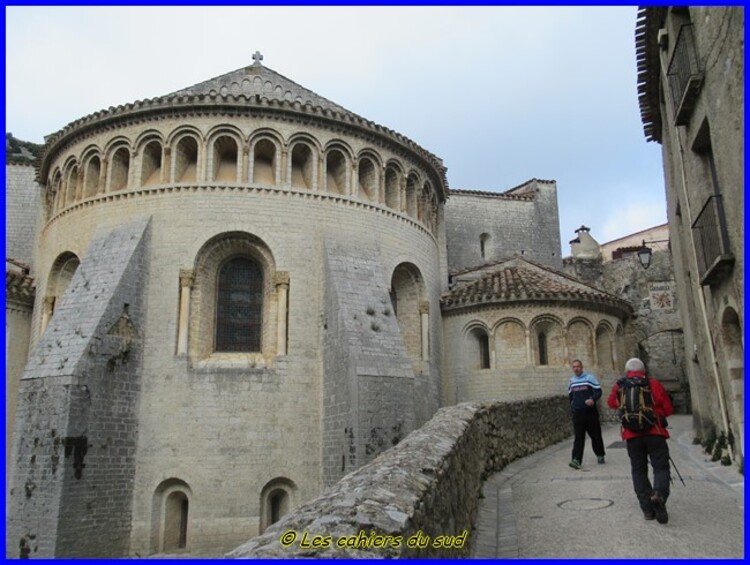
640	450
587	423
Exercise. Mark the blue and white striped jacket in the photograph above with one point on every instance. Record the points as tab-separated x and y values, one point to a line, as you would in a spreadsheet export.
582	388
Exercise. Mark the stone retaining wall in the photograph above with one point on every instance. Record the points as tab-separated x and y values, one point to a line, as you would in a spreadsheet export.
425	487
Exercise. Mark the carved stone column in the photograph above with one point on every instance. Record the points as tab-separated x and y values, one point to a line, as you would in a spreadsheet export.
187	278
381	186
282	293
286	166
166	165
424	311
79	184
103	176
354	183
246	166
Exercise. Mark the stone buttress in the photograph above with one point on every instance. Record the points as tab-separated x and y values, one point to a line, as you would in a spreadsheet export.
369	383
76	428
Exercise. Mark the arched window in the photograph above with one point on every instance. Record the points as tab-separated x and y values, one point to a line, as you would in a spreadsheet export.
264	163
542	348
239	305
392	188
170	517
120	170
548	342
484	351
186	160
302	166
368	180
151	163
410	206
175	521
483	245
276	499
479	348
336	171
225	156
91	178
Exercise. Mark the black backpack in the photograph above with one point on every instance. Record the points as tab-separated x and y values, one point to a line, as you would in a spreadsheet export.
636	404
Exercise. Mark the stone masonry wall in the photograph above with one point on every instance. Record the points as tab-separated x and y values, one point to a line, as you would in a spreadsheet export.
368	378
76	427
22	211
655	333
529	227
427	485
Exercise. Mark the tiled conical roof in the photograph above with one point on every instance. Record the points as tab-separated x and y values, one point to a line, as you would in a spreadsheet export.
521	280
252	88
258	80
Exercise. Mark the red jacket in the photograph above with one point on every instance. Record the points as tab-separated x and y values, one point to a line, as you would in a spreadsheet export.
662	407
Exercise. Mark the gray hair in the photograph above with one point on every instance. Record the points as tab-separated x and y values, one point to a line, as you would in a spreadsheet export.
635	364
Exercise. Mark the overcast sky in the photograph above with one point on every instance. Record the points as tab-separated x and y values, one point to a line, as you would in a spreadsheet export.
500	94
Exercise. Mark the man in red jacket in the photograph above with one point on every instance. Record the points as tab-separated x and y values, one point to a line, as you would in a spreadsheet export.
650	443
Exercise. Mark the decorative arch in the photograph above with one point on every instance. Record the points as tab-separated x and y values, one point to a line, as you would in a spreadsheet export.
234	292
119	169
478	354
510	344
170	517
303	170
410	205
92	172
151	161
70	181
423	205
59	278
407	295
186	154
580	340
276	499
265	149
337	170
57	199
224	155
393	178
548	341
605	346
368	178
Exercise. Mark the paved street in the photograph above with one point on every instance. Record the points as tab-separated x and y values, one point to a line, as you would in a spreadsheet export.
540	507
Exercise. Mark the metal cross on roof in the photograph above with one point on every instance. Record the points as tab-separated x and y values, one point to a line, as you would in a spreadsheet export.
257	57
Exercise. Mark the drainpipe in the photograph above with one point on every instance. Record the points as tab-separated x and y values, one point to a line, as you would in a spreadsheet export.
704	312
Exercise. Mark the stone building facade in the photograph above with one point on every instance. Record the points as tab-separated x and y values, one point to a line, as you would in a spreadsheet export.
512	328
240	292
654	331
691	96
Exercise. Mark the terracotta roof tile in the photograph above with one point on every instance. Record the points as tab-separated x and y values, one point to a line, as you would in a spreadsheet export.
518	280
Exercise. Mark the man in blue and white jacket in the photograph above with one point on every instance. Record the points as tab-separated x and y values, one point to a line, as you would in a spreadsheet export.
584	390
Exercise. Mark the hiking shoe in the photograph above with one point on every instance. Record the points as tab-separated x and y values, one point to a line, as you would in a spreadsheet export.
649	514
660	508
600	459
575	463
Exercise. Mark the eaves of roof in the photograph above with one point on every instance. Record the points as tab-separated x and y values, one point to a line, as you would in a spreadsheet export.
521	280
210	97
